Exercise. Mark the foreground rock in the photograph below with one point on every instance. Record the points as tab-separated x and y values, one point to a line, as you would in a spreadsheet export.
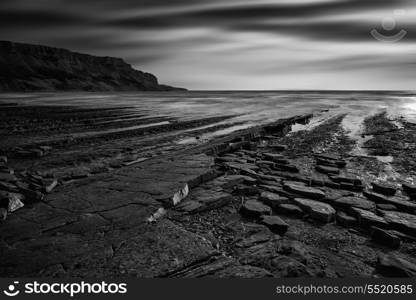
275	224
277	158
278	147
347	202
400	203
273	200
395	266
117	224
345	220
327	170
219	267
409	188
401	221
385	237
367	218
303	190
317	210
11	201
290	210
231	181
99	226
255	209
384	189
180	195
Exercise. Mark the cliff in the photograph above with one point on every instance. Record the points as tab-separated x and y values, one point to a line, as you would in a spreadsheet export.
25	67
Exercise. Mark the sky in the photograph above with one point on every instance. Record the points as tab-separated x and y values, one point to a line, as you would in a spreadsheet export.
234	44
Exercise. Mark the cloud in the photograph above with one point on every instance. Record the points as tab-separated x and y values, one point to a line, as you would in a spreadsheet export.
248	13
224	44
29	20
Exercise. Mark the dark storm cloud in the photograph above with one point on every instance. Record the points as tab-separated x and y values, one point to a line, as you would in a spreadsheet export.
333	30
12	20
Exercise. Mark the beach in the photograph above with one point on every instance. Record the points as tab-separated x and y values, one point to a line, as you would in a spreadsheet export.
209	184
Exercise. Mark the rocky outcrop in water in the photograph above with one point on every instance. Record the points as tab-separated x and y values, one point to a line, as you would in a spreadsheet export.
25	67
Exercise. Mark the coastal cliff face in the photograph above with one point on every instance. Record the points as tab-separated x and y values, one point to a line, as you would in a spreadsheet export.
26	67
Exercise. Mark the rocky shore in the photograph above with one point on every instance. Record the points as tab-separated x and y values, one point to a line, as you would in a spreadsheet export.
267	201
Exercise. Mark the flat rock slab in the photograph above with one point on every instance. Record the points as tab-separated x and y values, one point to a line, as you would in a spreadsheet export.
278	147
391	265
288	267
220	267
390	207
385	237
269	178
290	210
346	179
189	206
317	210
384	189
273	200
251	234
246	190
231	181
286	167
241	271
203	199
331	163
367	218
242	166
255	209
226	159
400	203
305	191
327	170
347	202
97	227
277	189
273	156
275	224
145	253
265	163
409	188
331	157
345	220
401	221
291	177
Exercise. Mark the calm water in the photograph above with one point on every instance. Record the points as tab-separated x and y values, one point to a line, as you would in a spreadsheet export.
247	108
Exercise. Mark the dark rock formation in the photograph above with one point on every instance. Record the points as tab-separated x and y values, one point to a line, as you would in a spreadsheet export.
302	190
395	266
385	237
384	189
254	209
25	67
317	210
275	224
